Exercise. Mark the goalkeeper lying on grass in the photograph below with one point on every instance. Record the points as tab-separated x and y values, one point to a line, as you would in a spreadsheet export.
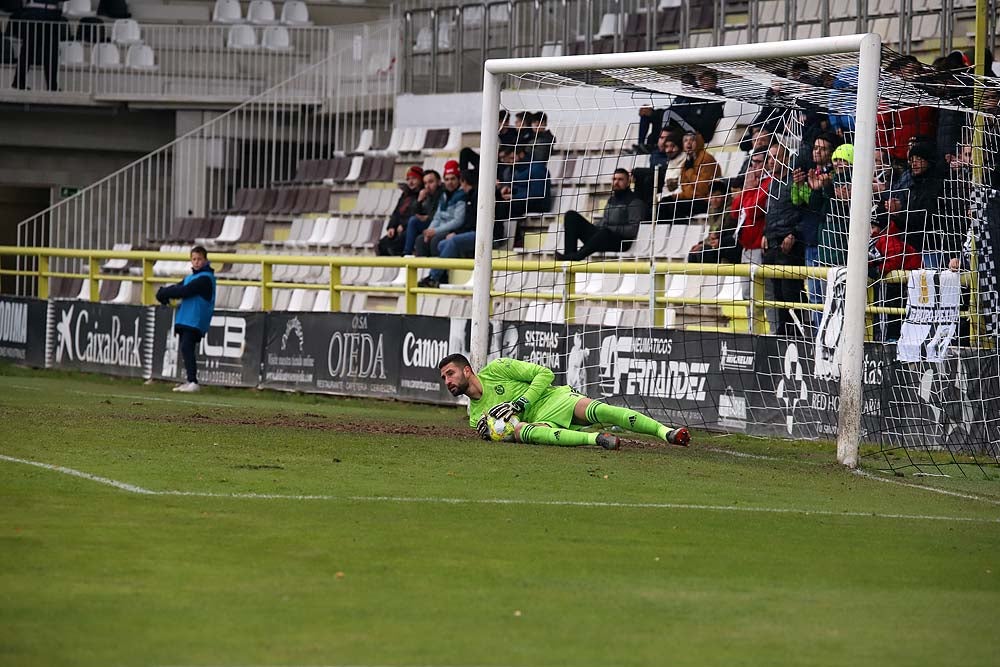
515	392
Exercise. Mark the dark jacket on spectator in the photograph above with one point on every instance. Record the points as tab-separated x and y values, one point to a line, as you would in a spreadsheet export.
783	217
692	113
623	214
429	205
406	206
541	147
919	215
531	182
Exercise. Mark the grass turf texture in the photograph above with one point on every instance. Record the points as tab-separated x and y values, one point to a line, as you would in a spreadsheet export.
94	575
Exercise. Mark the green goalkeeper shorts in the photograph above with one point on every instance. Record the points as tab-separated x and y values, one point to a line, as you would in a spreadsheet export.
555	409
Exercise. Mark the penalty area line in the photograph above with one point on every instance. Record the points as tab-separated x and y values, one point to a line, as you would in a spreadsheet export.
132	488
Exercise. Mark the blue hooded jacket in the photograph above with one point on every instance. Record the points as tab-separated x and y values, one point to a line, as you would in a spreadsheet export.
197	295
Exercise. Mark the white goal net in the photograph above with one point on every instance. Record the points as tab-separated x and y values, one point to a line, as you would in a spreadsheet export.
674	236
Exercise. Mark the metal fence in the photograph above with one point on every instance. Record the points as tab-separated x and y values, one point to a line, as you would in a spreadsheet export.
313	114
446	41
131	62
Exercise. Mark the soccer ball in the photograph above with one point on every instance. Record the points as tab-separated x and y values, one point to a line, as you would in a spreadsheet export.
502	430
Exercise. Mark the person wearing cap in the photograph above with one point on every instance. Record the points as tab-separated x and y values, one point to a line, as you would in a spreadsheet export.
834	225
448	218
395	228
462	242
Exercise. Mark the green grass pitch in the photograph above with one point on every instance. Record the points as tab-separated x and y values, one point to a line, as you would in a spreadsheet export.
253	528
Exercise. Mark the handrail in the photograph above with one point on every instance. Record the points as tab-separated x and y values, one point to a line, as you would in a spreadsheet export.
566	294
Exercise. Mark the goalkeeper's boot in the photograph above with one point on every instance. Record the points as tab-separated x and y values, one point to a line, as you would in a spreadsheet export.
608	441
679	436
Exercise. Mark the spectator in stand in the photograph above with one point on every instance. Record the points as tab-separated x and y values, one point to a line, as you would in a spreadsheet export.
525	130
617	228
541	149
194	315
462	242
40	26
913	205
669	159
687	113
530	191
749	208
811	189
759	140
700	170
898	126
506	136
836	221
887	252
782	244
448	218
427	205
406	206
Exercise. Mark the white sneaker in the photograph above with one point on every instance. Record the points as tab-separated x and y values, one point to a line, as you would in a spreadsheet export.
189	388
178	387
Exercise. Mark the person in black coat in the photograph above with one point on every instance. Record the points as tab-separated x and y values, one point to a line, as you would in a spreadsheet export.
615	231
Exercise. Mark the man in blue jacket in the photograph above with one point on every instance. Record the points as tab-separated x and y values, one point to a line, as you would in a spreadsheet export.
449	217
194	315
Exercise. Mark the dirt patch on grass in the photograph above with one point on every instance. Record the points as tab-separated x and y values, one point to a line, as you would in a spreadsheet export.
313	422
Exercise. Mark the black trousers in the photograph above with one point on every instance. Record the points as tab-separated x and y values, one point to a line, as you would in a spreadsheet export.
189	339
40	46
391	247
595	239
787	289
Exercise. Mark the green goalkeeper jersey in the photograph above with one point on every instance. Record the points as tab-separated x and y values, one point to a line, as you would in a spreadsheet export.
506	379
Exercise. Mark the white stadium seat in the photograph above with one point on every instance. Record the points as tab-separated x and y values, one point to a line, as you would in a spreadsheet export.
295	12
227	11
261	12
125	32
76	9
71	54
241	38
105	56
276	38
140	57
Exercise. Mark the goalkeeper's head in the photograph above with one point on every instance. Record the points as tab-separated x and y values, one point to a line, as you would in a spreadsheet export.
456	373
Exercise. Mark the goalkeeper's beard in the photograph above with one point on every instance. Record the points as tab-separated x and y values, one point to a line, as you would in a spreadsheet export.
460	388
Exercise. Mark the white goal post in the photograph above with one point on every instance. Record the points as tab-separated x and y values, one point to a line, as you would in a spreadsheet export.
867	46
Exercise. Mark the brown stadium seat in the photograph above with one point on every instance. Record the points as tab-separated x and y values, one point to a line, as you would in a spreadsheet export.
285	201
241	201
435	139
214	227
253	230
109	290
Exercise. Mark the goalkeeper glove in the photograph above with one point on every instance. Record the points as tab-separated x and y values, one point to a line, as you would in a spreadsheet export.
483	429
505	411
520	404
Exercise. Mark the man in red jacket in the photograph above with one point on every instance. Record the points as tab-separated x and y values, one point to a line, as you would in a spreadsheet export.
887	252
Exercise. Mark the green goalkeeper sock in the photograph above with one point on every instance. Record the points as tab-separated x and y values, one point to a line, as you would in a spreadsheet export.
602	413
544	435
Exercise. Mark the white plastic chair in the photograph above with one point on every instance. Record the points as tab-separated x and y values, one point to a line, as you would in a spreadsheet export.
365	141
276	38
295	12
126	32
105	56
77	9
260	12
71	54
227	11
241	38
609	26
140	57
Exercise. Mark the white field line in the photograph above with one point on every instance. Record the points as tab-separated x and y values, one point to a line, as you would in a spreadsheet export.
945	492
24	387
131	488
742	455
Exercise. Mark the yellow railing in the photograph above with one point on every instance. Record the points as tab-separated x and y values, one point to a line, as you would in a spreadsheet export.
658	271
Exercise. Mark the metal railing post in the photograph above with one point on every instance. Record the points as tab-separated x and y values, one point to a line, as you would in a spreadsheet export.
335	288
43	276
266	278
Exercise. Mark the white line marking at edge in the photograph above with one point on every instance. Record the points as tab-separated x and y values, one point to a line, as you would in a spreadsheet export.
742	455
955	494
131	488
